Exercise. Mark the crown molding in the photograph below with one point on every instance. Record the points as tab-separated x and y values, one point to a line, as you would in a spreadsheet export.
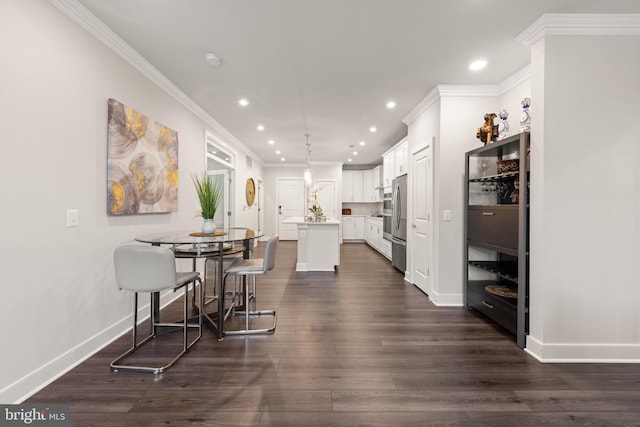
431	97
303	165
467	90
83	17
581	25
517	78
285	165
444	91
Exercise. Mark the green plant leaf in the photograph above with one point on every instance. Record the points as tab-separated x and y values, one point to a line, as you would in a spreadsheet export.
210	192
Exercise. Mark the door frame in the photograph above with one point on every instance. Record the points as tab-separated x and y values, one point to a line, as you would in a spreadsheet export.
426	149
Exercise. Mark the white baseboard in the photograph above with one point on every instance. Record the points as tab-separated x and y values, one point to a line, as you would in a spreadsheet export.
36	380
582	353
446	300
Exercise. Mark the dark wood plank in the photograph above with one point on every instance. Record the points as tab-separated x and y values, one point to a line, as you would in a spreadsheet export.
355	347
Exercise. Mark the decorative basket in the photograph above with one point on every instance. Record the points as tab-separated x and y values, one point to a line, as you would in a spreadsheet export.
511	165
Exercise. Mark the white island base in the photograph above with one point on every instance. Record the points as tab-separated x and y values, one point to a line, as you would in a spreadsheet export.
318	244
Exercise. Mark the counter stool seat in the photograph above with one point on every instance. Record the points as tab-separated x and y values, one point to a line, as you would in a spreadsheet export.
253	267
152	269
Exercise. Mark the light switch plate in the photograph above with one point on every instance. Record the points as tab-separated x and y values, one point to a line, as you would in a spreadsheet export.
446	215
73	217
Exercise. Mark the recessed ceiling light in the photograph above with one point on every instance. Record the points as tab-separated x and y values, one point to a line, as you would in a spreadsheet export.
349	160
244	102
362	143
260	127
277	151
373	129
355	153
478	65
212	59
271	142
282	159
391	105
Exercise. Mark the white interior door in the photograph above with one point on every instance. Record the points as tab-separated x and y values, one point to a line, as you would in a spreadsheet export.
291	202
327	196
421	227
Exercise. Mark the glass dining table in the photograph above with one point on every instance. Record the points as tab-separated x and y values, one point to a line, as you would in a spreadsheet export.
199	245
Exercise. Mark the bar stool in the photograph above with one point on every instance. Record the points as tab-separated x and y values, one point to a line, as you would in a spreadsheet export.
153	269
253	267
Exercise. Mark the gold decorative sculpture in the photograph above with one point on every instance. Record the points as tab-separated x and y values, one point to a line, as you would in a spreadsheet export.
488	132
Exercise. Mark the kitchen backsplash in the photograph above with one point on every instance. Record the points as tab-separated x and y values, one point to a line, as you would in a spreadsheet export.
364	208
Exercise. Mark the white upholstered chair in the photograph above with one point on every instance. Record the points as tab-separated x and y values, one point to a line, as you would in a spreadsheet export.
152	269
253	267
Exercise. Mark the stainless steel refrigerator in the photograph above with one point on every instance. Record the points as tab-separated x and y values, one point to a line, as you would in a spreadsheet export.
399	224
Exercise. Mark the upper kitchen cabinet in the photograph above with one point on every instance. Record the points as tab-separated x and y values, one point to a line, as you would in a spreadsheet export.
361	186
388	170
395	162
401	158
372	185
352	186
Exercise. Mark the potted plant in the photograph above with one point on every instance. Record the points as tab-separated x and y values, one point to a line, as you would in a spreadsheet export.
210	193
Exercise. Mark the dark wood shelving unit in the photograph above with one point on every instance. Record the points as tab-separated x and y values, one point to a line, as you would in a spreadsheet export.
497	234
504	270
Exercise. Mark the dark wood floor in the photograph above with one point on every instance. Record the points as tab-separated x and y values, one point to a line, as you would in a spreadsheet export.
360	347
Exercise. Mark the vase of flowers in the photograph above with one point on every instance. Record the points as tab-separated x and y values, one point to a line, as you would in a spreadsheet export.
210	192
315	210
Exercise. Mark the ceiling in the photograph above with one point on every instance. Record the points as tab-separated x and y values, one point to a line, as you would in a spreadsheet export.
328	67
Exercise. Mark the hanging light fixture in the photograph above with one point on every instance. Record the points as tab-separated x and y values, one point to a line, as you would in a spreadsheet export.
307	171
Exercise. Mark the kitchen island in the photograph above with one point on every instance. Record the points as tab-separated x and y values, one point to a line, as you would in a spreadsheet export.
318	244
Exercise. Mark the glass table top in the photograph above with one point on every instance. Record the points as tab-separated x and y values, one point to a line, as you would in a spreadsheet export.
234	234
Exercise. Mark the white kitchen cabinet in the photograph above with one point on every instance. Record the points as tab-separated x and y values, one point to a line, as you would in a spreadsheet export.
361	186
385	248
388	169
352	186
368	232
377	184
352	227
367	186
373	232
371	187
358	186
401	158
347	186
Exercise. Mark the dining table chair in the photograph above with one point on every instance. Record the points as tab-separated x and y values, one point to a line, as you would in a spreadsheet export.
152	269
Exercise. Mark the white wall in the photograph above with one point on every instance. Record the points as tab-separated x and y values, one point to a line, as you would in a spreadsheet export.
271	175
585	217
460	117
421	132
59	301
452	119
510	100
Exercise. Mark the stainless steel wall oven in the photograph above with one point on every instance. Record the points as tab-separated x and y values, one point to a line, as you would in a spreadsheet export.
387	213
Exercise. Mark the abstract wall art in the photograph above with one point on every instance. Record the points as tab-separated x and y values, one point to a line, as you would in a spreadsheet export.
142	170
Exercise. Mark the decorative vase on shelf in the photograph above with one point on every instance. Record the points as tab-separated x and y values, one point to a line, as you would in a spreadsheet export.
208	226
525	116
503	126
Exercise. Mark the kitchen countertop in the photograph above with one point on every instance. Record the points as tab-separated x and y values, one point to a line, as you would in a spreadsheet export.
300	220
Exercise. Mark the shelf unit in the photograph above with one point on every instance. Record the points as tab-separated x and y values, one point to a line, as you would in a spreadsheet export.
497	234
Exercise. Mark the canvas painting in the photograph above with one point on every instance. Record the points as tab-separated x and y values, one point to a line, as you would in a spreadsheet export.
142	163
